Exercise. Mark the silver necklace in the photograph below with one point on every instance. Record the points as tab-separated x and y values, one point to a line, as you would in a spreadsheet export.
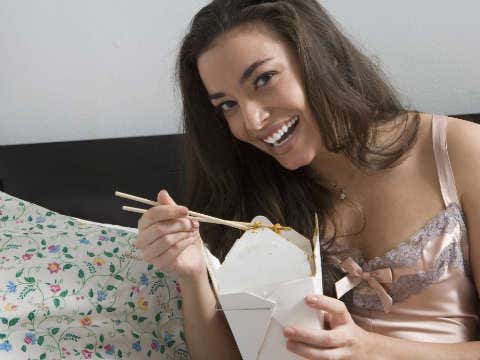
342	194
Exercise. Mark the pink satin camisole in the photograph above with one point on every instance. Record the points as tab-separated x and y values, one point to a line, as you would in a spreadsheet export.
421	290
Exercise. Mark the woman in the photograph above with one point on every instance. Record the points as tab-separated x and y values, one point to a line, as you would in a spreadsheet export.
284	117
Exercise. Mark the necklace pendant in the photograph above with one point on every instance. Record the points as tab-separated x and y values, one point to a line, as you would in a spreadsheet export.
343	195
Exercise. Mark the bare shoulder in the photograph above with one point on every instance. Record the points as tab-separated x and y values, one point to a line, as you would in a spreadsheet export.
463	140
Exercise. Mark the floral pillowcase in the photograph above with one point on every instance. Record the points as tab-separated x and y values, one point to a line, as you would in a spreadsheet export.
70	289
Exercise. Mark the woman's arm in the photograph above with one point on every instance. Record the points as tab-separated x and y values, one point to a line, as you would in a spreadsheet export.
463	140
207	333
171	242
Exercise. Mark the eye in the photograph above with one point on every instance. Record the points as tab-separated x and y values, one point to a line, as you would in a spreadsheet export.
263	79
225	106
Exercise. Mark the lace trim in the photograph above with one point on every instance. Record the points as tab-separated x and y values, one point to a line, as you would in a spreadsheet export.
405	286
408	253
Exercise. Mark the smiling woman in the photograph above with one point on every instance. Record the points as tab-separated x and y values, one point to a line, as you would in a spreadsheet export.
280	76
284	117
265	106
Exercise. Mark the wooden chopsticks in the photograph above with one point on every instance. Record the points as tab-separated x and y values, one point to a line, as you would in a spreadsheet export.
194	216
191	214
200	217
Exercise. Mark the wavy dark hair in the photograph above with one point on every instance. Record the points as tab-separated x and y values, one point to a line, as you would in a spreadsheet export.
348	95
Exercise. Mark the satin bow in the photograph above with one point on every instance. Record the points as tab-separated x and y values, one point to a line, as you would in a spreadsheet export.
355	275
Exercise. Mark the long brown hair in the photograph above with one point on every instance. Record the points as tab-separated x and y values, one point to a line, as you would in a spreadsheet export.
346	91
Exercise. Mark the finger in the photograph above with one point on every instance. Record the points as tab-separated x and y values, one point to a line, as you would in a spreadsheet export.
309	352
163	244
316	338
163	197
161	213
168	259
157	230
336	308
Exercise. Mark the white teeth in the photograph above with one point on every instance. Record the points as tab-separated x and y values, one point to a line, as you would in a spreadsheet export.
275	137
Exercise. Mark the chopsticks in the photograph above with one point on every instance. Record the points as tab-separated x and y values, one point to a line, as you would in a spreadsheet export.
199	216
191	214
195	216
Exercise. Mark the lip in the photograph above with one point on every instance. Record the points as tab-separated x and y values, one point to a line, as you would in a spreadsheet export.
275	128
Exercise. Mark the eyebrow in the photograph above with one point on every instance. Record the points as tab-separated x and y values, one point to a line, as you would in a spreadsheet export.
246	74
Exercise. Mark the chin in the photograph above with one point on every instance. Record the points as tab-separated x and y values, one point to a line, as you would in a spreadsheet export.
294	164
291	167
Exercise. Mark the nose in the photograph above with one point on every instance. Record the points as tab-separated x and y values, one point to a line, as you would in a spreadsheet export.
255	115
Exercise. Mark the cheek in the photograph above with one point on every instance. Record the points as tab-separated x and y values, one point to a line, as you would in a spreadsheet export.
290	94
237	129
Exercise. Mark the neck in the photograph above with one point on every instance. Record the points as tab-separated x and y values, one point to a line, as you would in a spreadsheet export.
335	169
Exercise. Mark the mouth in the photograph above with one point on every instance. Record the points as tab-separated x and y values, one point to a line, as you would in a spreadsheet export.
283	134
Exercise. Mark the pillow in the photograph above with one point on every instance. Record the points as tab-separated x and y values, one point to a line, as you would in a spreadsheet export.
71	289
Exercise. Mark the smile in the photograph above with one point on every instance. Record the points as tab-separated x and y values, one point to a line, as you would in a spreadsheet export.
283	134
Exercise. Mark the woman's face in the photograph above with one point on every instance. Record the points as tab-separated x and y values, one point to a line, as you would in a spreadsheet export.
253	77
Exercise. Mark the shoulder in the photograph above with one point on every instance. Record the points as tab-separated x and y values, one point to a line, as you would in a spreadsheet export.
463	141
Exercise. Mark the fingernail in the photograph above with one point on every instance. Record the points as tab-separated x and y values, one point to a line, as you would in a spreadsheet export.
195	224
289	331
183	210
311	299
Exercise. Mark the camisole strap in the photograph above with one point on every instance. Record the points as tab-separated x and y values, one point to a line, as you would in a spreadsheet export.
442	160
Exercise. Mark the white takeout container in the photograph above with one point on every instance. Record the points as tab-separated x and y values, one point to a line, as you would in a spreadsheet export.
261	287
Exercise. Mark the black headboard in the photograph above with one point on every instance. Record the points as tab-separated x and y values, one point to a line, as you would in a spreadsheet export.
78	178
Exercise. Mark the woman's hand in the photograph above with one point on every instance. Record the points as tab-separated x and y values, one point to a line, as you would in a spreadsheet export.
169	240
343	340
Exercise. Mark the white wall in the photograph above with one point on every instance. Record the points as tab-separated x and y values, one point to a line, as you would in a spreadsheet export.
73	70
430	49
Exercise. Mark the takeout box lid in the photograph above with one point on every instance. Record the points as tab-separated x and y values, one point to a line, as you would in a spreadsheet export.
246	264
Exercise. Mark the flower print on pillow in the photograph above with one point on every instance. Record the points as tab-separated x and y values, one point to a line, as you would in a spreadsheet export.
67	290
